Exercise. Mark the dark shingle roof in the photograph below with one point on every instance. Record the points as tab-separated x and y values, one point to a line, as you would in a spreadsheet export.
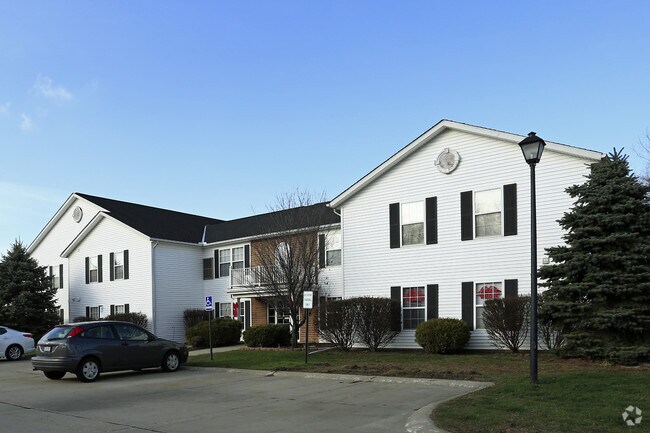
290	219
155	222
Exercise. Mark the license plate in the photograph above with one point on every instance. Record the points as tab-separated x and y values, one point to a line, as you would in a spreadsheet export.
47	349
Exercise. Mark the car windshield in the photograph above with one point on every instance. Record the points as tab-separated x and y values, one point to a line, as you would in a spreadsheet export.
59	333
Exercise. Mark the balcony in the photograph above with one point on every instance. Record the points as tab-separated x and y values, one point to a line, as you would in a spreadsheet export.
246	277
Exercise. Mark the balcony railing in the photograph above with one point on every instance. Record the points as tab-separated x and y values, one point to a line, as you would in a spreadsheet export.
256	276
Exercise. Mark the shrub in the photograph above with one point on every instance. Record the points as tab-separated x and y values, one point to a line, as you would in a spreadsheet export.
225	332
193	316
338	322
139	319
80	319
267	336
506	321
378	321
442	335
550	331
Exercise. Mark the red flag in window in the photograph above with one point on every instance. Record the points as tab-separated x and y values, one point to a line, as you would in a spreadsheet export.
235	310
489	292
414	295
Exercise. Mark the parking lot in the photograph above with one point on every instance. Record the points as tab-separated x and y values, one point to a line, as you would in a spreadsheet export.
217	400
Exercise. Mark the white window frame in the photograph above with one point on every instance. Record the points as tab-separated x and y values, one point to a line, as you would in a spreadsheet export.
333	245
225	309
119	266
226	263
478	214
231	263
479	303
422	307
93	269
237	264
55	277
120	309
282	319
412	221
95	312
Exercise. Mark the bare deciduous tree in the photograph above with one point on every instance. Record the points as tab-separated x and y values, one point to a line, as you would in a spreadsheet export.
287	258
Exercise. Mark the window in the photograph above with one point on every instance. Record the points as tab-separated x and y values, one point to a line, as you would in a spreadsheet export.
413	304
225	309
484	292
224	263
412	223
120	309
487	212
278	314
238	258
282	254
94	313
104	332
130	332
207	269
93	269
333	249
118	265
56	278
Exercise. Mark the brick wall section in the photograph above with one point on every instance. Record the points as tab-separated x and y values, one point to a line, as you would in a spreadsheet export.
313	327
259	312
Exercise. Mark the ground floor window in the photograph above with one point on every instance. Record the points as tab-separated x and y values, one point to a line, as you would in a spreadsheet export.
278	314
413	305
484	292
225	309
94	313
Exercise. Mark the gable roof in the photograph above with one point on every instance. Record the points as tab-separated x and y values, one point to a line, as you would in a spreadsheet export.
296	218
155	222
437	129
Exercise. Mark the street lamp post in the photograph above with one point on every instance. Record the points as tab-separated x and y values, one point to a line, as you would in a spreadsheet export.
532	148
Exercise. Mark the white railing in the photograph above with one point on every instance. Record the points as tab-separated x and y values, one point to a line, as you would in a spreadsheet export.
245	277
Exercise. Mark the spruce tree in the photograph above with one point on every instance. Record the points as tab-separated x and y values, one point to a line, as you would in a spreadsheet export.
26	295
600	279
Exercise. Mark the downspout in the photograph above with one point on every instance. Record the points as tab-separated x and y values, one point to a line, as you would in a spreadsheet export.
153	286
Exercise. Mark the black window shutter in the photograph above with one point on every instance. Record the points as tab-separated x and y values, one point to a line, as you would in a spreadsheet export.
111	265
393	214
87	270
432	301
466	216
247	256
126	264
510	209
432	220
512	288
126	308
321	251
87	311
99	268
112	309
216	309
468	304
61	276
247	306
396	295
51	282
216	264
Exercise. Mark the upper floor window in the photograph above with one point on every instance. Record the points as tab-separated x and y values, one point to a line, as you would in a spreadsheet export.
487	212
238	258
412	223
282	254
207	269
224	263
230	258
93	269
118	265
56	276
333	249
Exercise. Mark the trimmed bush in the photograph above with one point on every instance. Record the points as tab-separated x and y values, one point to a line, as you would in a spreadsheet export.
442	335
267	336
337	322
225	332
193	316
139	319
378	321
506	321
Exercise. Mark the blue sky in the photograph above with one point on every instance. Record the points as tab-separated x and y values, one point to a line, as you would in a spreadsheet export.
215	108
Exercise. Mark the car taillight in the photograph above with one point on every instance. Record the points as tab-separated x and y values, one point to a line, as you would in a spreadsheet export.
75	331
28	335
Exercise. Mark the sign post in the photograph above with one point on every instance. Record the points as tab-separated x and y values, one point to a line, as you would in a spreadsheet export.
209	307
307	305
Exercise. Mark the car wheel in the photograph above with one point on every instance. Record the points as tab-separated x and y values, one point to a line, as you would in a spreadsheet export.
171	361
88	370
14	352
54	375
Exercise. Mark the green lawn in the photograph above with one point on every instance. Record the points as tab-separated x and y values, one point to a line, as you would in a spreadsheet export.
574	396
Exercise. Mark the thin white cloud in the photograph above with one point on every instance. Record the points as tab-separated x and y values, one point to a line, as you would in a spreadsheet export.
26	123
44	86
4	108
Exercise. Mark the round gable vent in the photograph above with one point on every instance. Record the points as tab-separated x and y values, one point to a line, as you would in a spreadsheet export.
447	161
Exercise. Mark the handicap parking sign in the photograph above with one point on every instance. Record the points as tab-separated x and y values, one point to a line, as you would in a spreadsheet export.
209	306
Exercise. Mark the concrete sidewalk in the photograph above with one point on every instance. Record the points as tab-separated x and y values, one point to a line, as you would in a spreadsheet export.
217	349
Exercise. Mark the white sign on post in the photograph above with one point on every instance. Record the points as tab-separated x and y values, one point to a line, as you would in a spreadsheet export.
308	300
209	306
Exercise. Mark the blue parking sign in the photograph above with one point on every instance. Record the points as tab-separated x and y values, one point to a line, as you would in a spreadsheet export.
209	306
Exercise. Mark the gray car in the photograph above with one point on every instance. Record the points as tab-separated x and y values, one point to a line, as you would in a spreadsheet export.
90	348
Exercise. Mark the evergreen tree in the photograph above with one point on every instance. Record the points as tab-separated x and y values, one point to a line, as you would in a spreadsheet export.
600	280
26	294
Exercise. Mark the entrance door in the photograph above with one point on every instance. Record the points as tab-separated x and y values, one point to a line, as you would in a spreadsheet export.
245	312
